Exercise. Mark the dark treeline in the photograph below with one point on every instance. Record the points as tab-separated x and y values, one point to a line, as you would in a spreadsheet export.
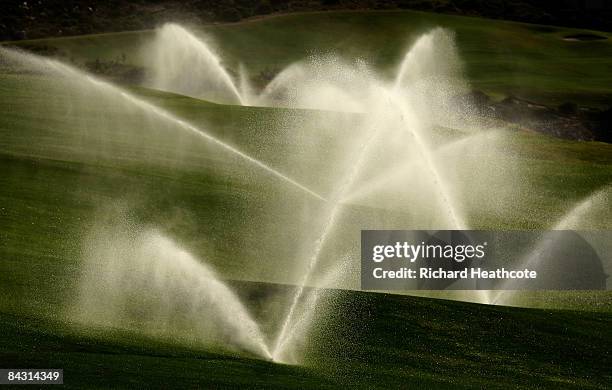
48	18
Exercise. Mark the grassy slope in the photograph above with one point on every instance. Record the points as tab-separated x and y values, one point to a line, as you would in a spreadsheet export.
501	57
373	341
48	200
55	188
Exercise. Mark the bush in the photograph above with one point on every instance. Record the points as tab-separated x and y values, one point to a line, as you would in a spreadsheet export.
263	8
230	15
568	108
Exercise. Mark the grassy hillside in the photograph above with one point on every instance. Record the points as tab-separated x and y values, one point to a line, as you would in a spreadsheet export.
501	58
66	174
373	341
76	156
79	17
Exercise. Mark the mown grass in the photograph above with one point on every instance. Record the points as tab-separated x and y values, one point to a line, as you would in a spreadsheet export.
500	58
371	341
60	179
64	170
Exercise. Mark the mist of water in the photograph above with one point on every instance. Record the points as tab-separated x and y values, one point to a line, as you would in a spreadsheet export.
577	218
184	64
143	281
397	159
332	85
84	80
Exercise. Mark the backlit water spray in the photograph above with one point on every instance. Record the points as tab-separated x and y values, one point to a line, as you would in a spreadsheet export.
63	70
391	122
185	64
335	206
385	106
146	281
574	219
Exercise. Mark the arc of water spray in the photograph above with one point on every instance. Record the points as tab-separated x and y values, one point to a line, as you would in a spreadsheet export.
160	113
198	47
436	177
382	181
564	223
336	206
124	266
190	127
336	203
311	301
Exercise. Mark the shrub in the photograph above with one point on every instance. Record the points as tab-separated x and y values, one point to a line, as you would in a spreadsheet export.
568	108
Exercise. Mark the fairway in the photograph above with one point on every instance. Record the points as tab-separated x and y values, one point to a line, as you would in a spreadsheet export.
155	237
393	341
501	58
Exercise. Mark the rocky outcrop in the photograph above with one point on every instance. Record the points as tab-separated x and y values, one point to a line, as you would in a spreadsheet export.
565	121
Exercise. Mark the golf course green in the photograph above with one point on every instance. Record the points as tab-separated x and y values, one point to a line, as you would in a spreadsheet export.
74	160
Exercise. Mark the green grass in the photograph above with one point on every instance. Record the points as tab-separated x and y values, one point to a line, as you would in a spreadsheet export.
372	341
68	166
500	57
63	173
